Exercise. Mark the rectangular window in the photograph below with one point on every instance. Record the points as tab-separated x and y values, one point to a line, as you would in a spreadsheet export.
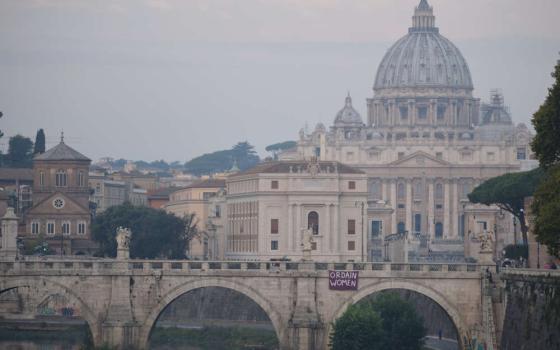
351	245
490	156
351	227
374	155
313	245
400	155
404	112
422	112
35	228
441	112
439	206
81	228
66	228
439	155
218	211
349	155
521	153
50	228
466	156
401	206
376	227
273	245
42	178
274	184
351	185
273	225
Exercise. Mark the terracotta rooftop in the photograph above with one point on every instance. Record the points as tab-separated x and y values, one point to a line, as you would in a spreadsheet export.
210	183
24	174
62	152
286	167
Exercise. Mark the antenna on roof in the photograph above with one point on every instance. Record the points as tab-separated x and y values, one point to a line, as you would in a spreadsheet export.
62	136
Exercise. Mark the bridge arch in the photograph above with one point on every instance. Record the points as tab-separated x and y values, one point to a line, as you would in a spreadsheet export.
47	288
432	294
184	288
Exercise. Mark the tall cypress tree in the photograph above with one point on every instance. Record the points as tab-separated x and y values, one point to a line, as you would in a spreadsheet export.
39	142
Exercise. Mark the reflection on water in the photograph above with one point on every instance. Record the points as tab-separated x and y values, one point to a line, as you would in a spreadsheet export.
38	345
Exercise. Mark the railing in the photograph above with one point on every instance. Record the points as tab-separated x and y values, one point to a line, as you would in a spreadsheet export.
531	272
67	266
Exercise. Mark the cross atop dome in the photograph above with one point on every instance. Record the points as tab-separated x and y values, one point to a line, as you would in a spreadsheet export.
423	19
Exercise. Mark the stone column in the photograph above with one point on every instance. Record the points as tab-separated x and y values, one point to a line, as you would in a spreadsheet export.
409	205
291	247
299	226
336	228
9	247
327	240
394	206
455	215
431	209
446	206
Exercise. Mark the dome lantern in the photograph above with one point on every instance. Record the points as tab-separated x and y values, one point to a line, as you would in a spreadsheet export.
423	19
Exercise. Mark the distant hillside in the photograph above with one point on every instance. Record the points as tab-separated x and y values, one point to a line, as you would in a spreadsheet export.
243	154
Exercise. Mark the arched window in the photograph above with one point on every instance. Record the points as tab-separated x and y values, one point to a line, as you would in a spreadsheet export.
401	192
81	179
418	190
400	227
439	191
439	230
61	178
42	178
313	222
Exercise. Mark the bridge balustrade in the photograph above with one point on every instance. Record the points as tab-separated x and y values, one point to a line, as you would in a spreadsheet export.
89	266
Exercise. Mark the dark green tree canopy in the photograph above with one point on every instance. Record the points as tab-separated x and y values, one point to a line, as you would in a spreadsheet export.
359	328
387	322
546	211
243	153
508	192
546	121
155	233
39	142
20	152
281	146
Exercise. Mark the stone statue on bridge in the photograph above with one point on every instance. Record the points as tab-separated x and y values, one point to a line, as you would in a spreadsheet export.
123	242
307	243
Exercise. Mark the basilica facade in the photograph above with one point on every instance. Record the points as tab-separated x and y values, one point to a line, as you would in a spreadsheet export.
425	143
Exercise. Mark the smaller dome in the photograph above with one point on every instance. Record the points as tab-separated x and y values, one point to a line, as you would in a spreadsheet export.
320	127
348	116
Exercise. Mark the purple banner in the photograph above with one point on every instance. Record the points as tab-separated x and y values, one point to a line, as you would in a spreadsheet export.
343	280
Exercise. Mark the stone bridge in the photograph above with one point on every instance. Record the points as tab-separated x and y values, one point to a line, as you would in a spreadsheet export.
121	299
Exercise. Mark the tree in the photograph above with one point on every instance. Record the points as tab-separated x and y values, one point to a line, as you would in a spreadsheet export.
546	145
508	192
546	121
20	152
358	328
546	211
243	153
403	328
155	233
278	147
39	142
385	323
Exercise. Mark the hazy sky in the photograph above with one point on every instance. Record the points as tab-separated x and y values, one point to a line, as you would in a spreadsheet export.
172	79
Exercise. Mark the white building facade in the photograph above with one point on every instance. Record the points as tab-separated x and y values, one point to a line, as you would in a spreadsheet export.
270	208
426	142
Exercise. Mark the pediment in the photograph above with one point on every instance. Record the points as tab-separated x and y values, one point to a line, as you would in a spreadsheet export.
70	206
420	159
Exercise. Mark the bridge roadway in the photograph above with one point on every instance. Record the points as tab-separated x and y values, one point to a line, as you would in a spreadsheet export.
121	299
